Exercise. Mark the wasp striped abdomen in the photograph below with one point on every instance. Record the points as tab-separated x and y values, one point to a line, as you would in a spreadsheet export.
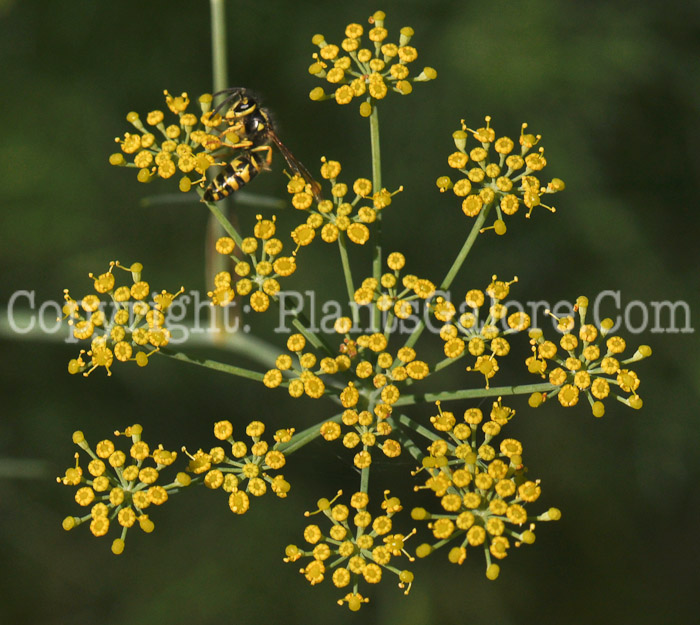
239	172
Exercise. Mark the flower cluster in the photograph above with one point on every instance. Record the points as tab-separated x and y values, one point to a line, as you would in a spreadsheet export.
373	392
258	276
120	486
247	470
472	481
488	183
335	216
356	548
391	293
365	429
482	489
186	146
357	72
304	376
135	329
483	339
586	365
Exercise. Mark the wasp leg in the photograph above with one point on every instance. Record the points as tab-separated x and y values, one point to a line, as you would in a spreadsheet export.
241	145
268	156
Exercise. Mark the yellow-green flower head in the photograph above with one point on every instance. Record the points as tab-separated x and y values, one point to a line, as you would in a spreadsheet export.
585	360
257	275
376	380
184	146
394	292
482	488
378	377
119	485
344	211
119	321
494	173
301	371
366	69
480	333
243	469
357	547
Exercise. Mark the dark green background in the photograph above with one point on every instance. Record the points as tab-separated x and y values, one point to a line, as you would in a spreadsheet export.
614	89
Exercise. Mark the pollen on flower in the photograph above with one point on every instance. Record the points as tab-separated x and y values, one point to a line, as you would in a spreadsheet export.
115	491
488	493
365	69
260	272
592	357
355	549
491	186
248	470
132	331
338	217
225	245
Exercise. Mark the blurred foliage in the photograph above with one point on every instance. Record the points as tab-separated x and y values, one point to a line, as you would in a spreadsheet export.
612	86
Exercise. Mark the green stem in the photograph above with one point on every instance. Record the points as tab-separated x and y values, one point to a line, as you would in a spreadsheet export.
349	285
216	263
466	248
440	543
225	223
376	151
300	322
305	436
387	325
403	438
474	393
213	364
445	362
417	428
364	480
218	44
456	266
376	187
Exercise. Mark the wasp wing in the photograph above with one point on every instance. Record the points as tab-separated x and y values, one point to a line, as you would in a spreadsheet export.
295	165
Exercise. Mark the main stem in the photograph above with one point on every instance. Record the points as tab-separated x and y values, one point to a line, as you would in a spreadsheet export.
342	246
376	187
216	263
218	44
364	480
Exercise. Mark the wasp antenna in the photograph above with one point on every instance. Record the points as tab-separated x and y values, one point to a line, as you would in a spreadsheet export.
224	103
229	90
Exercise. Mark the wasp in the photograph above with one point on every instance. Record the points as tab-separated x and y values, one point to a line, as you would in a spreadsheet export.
253	126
